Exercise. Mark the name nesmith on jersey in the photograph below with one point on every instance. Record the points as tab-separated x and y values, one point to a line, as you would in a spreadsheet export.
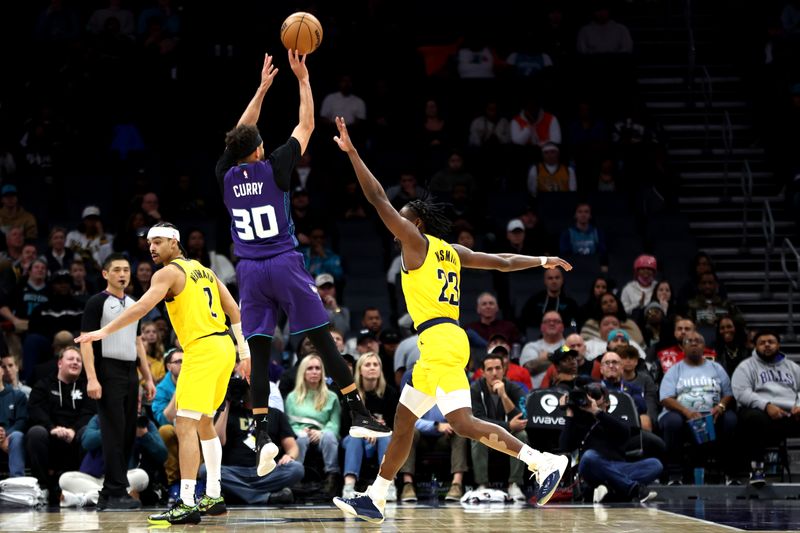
445	255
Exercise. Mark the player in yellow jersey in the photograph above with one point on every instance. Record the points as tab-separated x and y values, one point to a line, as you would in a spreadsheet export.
197	303
431	275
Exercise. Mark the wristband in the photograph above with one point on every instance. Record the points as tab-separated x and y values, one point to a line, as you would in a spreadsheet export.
543	260
244	349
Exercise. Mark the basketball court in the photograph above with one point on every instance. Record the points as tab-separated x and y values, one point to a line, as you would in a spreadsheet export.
681	516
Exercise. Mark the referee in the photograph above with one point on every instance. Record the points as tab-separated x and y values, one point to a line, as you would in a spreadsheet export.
111	368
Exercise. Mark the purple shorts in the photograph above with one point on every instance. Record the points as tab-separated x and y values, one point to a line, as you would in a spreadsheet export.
280	281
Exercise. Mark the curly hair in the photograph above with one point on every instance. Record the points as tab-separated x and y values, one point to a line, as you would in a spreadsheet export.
241	141
432	215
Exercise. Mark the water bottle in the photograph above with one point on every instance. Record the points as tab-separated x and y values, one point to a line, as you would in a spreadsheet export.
522	407
434	490
699	476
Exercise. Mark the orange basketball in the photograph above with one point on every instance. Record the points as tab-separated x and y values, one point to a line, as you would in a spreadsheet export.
302	32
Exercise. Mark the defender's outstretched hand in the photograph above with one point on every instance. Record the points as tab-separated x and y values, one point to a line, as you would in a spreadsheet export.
343	139
298	65
555	262
268	73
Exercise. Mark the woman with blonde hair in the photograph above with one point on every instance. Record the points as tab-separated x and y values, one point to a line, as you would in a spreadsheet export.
381	400
315	415
154	349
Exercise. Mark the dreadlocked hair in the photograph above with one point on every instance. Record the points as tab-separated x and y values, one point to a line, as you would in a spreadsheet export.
432	215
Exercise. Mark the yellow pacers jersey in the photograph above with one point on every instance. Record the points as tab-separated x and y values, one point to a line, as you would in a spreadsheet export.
433	290
197	311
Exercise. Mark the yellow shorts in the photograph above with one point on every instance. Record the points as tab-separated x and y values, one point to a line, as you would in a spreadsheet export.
444	354
205	373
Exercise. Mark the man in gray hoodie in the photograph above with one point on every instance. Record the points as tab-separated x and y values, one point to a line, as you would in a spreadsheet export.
766	388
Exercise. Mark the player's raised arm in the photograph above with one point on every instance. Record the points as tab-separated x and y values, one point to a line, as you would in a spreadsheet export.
506	262
400	227
159	287
305	124
253	110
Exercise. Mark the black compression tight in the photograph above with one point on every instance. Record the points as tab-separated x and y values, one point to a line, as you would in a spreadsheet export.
260	346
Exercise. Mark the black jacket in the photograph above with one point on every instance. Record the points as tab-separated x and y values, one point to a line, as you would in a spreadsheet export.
604	434
55	403
487	406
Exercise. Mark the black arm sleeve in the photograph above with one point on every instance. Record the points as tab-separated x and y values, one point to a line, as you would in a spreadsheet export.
283	159
93	312
225	162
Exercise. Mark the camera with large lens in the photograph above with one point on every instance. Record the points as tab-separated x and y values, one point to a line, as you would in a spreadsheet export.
238	389
578	397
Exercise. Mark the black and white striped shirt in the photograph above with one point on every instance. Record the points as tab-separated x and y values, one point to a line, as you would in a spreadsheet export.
100	310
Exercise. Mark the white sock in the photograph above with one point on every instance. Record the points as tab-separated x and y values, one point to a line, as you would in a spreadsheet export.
529	456
380	486
212	453
187	491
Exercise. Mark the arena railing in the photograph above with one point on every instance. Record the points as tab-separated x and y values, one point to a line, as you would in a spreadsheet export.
747	200
794	283
727	144
768	227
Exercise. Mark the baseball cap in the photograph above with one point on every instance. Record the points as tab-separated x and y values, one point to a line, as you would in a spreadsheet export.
300	190
390	336
617	333
559	355
550	147
8	189
515	224
90	211
499	350
322	279
365	334
653	305
645	261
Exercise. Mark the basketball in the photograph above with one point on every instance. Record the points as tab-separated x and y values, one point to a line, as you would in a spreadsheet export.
302	32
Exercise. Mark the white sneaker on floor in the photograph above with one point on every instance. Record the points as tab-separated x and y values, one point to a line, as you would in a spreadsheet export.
349	491
70	499
600	492
391	494
515	493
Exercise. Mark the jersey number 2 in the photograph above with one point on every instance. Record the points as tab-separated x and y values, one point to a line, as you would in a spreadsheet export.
250	222
450	279
207	290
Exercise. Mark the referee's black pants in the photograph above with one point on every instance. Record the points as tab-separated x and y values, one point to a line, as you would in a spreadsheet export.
117	410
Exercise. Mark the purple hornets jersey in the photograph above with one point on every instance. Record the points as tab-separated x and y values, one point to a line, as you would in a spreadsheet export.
261	221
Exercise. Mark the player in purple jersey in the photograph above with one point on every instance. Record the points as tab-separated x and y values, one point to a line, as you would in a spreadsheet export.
270	272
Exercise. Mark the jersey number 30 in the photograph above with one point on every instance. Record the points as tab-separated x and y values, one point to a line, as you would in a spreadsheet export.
250	222
449	292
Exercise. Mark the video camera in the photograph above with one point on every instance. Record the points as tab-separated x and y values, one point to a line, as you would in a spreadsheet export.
584	389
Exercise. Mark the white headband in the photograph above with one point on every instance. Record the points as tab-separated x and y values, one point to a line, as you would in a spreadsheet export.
162	231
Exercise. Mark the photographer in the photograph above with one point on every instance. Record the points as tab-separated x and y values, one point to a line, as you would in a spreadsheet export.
602	440
236	431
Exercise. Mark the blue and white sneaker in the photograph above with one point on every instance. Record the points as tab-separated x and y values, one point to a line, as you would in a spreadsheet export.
548	475
363	507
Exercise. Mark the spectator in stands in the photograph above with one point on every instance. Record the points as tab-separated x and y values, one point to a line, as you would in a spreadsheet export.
143	275
731	344
26	297
635	372
10	365
59	410
372	320
475	59
99	18
339	315
767	388
367	342
489	129
314	413
319	258
389	341
405	356
15	241
602	441
58	256
533	126
604	35
536	236
652	321
606	176
611	372
154	350
527	58
13	421
150	205
13	214
488	323
303	217
665	296
583	367
557	35
433	432
219	263
127	240
701	263
381	400
164	411
343	103
406	190
691	389
673	354
583	238
498	345
639	291
588	139
453	174
515	238
496	399
535	355
90	240
235	428
82	288
552	298
610	304
22	265
588	309
707	307
551	175
564	369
